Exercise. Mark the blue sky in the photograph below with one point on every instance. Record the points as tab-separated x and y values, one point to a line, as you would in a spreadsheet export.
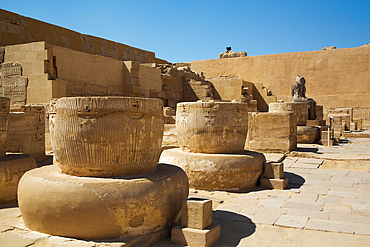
183	31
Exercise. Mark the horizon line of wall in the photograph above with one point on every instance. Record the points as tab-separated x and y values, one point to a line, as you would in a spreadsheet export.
16	29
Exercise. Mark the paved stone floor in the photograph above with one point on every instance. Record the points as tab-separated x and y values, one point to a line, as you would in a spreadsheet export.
327	204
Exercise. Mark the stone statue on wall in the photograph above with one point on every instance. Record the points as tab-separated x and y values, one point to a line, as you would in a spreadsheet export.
229	53
299	95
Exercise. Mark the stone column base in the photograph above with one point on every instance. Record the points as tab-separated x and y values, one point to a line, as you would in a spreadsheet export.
12	168
101	208
218	171
196	237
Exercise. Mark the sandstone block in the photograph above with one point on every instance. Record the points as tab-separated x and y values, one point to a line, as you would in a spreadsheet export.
195	237
272	132
212	127
270	183
307	134
12	168
325	142
170	135
353	126
347	110
359	123
300	109
4	124
27	132
196	213
319	112
108	136
218	171
101	208
274	170
316	123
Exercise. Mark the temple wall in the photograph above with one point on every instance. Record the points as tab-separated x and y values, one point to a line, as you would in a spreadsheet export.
87	74
152	78
17	29
55	72
344	74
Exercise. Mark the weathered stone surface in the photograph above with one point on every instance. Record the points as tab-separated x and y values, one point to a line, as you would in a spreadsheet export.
300	109
316	123
212	127
298	90
108	136
218	171
12	168
4	124
274	170
272	132
13	85
27	132
359	123
196	213
170	135
271	183
196	237
319	112
99	208
307	134
230	53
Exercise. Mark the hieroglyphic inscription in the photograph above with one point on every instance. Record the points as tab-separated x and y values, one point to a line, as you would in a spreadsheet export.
13	85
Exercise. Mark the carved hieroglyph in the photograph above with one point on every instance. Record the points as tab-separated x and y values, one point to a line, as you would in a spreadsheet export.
300	109
212	127
4	129
107	136
13	85
95	138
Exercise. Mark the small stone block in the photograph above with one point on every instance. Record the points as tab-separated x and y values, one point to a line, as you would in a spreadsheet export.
196	213
325	142
278	184
316	123
275	170
196	237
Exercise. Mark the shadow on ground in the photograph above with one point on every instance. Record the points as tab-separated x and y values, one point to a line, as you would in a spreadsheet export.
47	161
234	227
307	150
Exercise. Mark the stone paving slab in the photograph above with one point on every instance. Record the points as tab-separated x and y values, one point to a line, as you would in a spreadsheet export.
304	165
309	213
361	228
292	221
331	225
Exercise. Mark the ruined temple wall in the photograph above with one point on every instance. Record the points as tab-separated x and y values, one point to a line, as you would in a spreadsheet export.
343	74
86	74
55	72
17	29
36	60
152	78
228	89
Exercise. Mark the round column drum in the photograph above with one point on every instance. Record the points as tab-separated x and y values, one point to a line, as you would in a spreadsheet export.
212	127
4	129
107	136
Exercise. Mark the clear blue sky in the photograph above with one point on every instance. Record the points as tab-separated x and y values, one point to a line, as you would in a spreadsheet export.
182	31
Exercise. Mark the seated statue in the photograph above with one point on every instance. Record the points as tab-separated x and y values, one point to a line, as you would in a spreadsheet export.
230	53
299	95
